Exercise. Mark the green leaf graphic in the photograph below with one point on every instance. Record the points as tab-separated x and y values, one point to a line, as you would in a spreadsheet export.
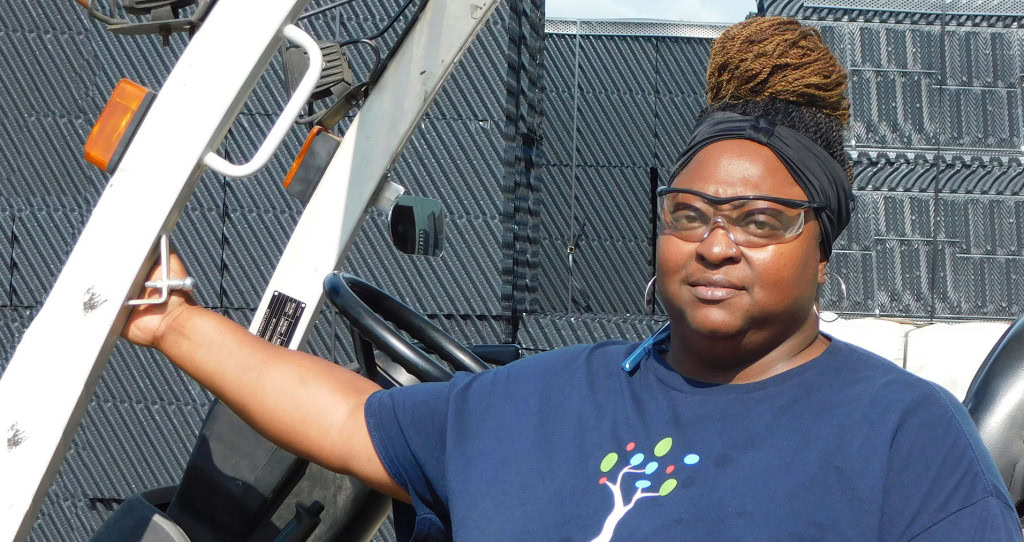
609	461
663	446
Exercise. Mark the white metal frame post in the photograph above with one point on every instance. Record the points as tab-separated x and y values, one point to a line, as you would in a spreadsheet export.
44	391
372	143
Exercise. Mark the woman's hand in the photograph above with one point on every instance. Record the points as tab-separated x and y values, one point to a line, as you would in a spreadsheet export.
147	323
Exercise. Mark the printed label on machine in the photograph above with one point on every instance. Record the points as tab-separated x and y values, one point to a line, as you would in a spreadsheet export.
281	319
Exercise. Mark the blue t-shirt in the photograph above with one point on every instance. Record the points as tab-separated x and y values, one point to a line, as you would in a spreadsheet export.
566	446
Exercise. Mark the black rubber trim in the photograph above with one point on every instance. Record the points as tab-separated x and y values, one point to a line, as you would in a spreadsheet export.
129	131
995	402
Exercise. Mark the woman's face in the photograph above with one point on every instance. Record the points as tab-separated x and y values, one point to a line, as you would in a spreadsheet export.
717	289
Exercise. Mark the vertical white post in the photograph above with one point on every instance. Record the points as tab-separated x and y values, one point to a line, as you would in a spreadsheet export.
372	143
45	388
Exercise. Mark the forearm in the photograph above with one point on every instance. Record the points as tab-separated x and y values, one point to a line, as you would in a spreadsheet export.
298	401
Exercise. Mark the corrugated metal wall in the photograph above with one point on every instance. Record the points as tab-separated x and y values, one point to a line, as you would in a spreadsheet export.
545	152
937	138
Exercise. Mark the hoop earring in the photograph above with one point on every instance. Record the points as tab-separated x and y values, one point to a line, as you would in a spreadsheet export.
649	296
818	314
842	288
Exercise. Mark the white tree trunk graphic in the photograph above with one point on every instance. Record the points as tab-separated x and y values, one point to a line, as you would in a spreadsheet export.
619	508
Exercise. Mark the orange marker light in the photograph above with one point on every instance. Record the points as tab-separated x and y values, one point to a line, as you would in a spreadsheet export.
116	125
311	163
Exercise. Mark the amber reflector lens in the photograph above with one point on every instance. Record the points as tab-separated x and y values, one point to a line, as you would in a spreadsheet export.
113	123
302	154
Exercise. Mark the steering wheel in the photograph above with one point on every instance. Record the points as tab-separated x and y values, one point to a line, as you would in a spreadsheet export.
364	305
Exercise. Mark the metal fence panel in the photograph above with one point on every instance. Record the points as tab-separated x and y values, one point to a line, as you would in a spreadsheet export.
893	109
682	65
457	162
904	271
986	225
6	251
979	119
560	128
894	46
615	130
43	237
977	285
622	65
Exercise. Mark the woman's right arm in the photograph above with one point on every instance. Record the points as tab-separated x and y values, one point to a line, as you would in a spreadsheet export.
305	404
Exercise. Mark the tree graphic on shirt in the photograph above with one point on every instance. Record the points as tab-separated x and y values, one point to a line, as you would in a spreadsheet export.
641	472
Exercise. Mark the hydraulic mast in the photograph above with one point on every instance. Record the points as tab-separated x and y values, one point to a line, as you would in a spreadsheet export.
44	391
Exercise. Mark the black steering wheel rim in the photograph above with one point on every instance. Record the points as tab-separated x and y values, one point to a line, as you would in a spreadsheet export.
366	307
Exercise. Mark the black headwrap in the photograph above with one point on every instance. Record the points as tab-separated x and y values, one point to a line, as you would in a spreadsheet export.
816	172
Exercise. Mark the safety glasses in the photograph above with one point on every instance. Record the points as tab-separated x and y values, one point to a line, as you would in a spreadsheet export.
750	221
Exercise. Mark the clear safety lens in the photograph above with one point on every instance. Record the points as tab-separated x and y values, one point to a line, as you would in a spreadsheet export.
750	222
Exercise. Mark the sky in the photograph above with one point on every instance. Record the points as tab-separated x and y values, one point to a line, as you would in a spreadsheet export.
705	11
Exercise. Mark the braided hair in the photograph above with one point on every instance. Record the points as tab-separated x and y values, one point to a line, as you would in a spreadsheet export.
779	69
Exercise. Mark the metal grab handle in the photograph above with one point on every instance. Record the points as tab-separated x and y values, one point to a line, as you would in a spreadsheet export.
291	111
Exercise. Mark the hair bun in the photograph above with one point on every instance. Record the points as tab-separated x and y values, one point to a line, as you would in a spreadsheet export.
777	57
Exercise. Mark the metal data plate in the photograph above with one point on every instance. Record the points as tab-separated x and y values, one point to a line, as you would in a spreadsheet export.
281	318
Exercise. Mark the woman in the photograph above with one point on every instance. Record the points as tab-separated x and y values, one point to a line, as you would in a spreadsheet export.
738	421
